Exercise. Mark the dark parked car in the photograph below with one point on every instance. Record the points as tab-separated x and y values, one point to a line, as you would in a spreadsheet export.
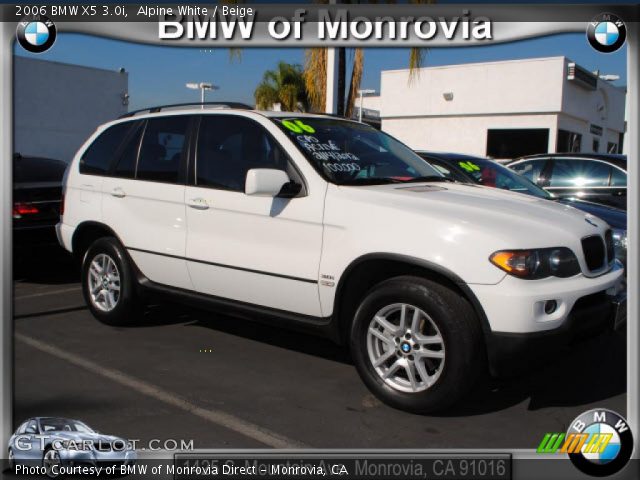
600	178
37	194
470	169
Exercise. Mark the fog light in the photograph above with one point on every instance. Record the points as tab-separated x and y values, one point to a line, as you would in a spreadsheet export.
550	306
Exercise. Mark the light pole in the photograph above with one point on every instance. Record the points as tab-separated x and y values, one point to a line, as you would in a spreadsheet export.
202	86
362	93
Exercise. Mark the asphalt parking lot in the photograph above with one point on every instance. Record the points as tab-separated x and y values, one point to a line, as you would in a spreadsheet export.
191	375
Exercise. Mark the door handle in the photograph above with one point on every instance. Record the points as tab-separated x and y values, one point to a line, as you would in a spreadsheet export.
118	193
198	203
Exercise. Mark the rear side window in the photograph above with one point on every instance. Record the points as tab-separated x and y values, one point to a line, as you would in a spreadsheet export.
618	178
126	166
531	169
97	158
579	173
163	147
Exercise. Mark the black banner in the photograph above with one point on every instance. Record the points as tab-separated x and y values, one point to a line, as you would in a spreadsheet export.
368	466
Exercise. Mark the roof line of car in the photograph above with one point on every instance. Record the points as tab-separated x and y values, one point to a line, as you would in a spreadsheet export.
216	109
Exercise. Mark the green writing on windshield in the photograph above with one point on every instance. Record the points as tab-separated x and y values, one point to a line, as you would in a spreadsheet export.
469	166
298	126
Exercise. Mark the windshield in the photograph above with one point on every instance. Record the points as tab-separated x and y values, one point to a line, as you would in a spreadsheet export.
492	174
350	153
63	425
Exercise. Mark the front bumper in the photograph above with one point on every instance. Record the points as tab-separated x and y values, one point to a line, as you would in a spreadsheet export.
592	315
521	331
517	306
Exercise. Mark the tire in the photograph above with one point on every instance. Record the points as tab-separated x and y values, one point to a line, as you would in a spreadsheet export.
444	358
12	461
110	306
51	457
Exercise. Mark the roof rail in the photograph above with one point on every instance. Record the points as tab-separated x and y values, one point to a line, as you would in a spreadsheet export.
235	105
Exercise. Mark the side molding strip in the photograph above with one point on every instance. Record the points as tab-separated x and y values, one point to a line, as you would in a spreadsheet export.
259	272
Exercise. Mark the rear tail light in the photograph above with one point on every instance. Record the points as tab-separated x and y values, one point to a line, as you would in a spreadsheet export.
22	209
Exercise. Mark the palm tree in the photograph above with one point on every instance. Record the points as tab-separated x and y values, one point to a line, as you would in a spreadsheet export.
315	73
285	86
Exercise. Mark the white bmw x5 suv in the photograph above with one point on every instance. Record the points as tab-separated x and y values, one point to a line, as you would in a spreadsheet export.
332	227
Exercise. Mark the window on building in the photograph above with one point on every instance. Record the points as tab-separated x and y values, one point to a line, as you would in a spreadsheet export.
162	149
612	147
620	142
228	147
568	142
97	158
579	173
513	143
595	146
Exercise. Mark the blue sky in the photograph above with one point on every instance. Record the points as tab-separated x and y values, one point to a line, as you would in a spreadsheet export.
157	75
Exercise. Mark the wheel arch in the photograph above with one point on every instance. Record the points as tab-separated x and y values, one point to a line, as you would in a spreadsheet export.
86	233
366	271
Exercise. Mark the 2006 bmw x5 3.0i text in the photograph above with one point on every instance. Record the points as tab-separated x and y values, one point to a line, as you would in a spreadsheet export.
332	227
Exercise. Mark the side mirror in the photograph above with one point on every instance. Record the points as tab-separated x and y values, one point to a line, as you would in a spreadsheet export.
265	182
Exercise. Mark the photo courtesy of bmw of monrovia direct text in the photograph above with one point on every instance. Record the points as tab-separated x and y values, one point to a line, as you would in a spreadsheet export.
323	239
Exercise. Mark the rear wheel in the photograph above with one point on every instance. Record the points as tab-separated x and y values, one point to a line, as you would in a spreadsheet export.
108	283
416	344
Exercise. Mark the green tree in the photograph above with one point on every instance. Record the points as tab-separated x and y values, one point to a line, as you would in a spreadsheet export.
285	86
315	70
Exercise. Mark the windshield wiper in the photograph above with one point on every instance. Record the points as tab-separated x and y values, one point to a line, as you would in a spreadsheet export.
428	178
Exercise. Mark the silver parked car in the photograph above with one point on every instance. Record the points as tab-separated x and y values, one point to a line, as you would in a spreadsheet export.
49	441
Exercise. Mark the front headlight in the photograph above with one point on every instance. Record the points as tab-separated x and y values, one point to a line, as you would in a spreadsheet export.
620	240
538	263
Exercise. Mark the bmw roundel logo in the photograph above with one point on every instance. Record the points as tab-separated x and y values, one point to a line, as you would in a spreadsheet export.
36	34
607	33
406	348
606	442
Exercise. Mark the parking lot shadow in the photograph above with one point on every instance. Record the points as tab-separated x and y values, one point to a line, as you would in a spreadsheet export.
567	378
585	373
45	265
171	314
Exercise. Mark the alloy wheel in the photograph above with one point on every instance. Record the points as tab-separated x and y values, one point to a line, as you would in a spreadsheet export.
104	282
51	459
405	347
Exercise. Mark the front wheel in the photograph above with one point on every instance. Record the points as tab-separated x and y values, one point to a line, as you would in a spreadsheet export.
416	344
51	463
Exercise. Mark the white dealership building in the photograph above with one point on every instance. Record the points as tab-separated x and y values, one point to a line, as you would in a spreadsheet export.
503	109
